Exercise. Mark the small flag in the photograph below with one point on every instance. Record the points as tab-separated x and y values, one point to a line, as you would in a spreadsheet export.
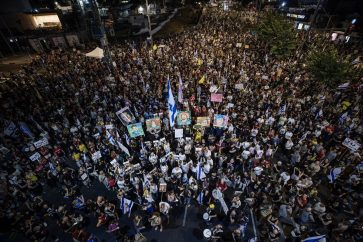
123	148
200	172
320	238
172	105
282	109
343	117
180	90
25	129
319	114
126	206
127	138
200	197
343	86
202	80
110	138
334	173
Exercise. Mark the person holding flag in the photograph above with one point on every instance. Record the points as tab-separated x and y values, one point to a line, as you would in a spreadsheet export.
171	106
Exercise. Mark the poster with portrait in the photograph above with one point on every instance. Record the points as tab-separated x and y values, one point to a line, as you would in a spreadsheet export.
216	97
203	121
220	121
135	130
153	124
184	118
125	115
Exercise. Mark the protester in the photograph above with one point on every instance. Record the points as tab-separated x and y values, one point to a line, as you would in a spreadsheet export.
280	154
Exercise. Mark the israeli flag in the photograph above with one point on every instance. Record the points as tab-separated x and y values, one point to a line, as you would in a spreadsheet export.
200	172
126	206
320	238
110	138
319	114
282	109
25	129
123	148
343	118
171	106
127	138
200	197
180	90
343	86
334	173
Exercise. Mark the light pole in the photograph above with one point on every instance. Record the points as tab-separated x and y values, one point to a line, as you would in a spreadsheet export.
148	20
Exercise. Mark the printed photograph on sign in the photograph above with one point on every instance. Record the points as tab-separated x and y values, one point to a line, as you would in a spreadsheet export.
135	130
220	120
216	97
125	115
153	124
203	121
184	118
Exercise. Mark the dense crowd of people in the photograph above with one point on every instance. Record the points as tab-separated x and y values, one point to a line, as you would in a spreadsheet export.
281	156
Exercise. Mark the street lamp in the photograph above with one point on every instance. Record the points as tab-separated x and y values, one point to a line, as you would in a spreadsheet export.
354	21
283	4
140	10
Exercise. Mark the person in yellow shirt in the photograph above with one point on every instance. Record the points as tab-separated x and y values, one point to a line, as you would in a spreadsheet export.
82	148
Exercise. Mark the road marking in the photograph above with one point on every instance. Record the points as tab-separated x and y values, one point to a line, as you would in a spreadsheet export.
185	215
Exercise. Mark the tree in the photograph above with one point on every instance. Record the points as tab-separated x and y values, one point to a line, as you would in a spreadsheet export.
327	67
278	34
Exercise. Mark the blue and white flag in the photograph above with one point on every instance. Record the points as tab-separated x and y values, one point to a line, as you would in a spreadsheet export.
110	138
343	86
334	173
200	173
25	129
200	198
343	117
282	109
127	138
126	206
319	114
171	106
320	238
180	90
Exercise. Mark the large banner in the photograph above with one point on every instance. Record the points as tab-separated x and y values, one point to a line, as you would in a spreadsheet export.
153	124
184	118
220	121
135	130
203	121
216	97
125	115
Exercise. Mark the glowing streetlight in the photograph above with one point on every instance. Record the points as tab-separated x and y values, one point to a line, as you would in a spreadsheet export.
354	21
283	4
140	9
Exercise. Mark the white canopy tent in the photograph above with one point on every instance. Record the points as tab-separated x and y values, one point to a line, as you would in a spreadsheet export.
96	53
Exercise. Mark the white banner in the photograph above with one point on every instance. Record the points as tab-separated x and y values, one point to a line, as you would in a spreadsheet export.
178	133
351	144
96	156
35	156
41	143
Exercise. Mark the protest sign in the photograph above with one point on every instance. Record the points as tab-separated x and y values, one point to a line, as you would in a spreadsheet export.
183	118
178	133
153	124
203	121
96	156
220	121
35	156
351	144
41	143
135	130
216	97
125	115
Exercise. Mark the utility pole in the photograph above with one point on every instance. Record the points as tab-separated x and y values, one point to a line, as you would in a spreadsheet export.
103	40
148	20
